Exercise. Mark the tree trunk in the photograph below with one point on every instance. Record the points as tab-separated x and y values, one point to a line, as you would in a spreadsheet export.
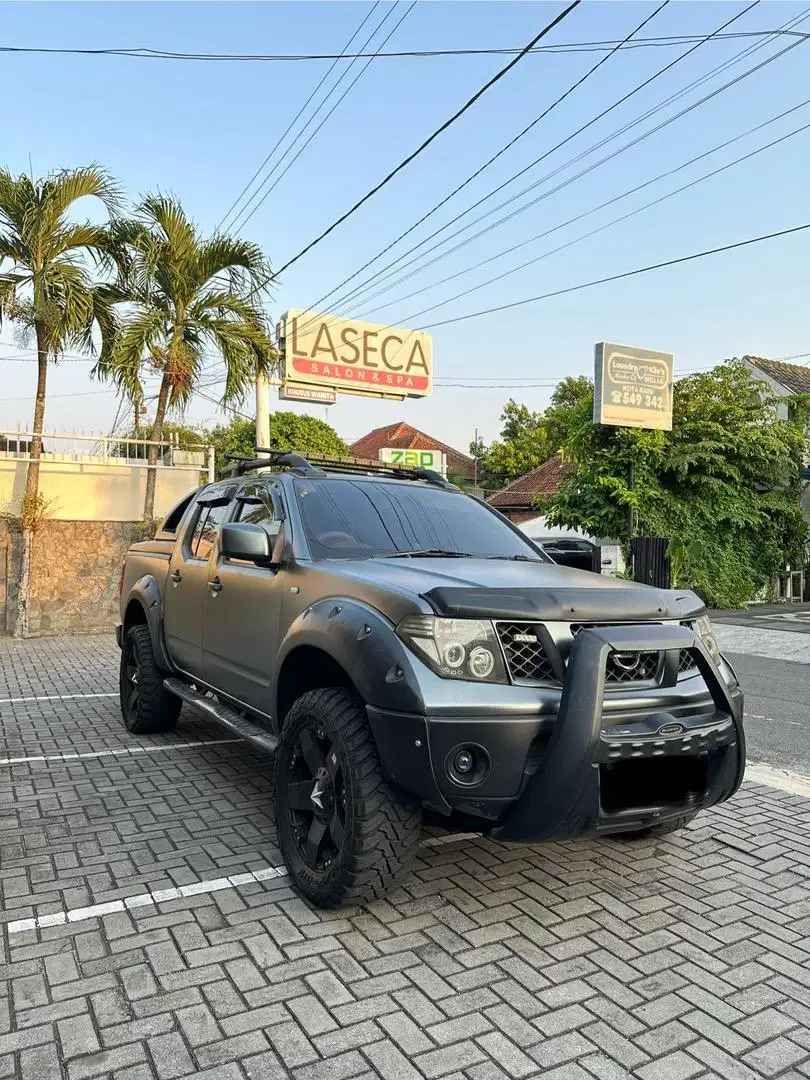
156	436
29	507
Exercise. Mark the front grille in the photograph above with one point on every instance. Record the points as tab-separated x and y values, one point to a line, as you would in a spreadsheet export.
631	667
526	659
686	662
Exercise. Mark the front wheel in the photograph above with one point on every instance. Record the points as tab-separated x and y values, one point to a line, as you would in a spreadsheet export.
346	835
147	707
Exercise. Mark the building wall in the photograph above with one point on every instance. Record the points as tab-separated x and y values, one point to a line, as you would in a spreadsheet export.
95	490
74	575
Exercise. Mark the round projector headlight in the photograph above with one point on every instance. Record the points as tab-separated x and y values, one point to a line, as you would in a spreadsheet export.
481	662
454	654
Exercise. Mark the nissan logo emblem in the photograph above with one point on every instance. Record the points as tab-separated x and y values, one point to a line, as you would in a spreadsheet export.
627	661
671	729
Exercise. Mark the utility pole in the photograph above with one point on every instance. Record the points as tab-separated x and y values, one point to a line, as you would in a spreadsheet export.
262	411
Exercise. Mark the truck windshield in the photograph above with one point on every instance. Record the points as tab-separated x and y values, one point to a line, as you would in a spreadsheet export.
359	519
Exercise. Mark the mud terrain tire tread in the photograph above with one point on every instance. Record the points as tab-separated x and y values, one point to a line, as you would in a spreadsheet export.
383	829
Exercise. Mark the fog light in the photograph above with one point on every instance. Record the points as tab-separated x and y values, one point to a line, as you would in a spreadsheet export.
464	762
468	766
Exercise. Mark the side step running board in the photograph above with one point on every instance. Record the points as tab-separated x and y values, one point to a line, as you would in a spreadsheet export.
224	715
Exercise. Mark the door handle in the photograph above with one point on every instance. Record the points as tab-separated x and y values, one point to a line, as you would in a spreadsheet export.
176	577
215	585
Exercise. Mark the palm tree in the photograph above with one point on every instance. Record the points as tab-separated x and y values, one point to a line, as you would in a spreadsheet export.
46	287
181	295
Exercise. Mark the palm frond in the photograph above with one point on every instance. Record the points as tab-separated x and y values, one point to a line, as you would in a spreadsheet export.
241	263
67	186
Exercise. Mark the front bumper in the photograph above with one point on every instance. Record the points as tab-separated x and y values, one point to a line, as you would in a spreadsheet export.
591	768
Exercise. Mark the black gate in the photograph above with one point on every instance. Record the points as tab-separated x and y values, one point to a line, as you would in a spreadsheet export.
650	561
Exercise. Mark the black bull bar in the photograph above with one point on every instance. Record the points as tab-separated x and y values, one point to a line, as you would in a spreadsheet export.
561	799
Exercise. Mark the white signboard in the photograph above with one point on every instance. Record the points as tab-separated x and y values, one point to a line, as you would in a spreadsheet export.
632	387
355	357
416	459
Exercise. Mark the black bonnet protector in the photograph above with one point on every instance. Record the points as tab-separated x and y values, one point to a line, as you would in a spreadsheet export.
639	604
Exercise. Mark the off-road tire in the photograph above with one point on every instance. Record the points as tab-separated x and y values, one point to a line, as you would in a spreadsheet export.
381	827
147	707
664	829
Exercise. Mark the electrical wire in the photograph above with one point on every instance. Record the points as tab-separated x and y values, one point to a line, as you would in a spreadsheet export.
241	224
396	266
141	53
433	136
295	119
615	221
507	146
618	277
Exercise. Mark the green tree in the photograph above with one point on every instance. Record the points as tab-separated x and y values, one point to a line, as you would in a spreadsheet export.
47	289
523	445
288	431
723	486
571	400
182	294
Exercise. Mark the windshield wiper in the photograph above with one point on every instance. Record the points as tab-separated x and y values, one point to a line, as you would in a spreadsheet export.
430	553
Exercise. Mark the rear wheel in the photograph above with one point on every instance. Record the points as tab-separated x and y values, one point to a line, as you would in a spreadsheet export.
346	835
147	707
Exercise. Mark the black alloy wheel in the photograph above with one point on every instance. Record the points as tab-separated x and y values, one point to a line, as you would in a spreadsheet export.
147	707
316	798
346	834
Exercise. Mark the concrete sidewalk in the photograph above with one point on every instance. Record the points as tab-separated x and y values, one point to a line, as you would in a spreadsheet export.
149	932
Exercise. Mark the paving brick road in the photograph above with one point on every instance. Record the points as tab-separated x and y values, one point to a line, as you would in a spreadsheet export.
687	958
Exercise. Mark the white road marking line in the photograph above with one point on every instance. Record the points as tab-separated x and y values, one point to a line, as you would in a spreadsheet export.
51	697
179	892
772	719
778	778
450	838
149	899
123	752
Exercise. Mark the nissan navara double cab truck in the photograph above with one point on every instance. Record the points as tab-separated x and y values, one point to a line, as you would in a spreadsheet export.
404	650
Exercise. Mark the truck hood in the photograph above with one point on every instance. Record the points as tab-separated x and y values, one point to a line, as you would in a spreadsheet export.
494	588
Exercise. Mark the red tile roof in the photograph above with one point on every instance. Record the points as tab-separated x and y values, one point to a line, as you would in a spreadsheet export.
544	480
402	436
794	377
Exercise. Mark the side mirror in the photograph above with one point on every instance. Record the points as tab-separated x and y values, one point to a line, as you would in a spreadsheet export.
244	540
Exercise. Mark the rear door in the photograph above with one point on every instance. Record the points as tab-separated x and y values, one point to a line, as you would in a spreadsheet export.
187	583
240	627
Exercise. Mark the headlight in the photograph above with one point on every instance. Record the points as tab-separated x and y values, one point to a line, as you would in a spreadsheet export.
705	630
456	648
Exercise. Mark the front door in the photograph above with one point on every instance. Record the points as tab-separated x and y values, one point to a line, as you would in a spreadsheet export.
242	608
187	584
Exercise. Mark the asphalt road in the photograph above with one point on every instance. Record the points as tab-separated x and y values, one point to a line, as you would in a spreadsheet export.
777	711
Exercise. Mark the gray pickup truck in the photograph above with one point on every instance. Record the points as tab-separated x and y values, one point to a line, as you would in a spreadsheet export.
402	649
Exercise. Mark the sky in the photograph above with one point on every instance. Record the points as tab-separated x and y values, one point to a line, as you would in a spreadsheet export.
201	129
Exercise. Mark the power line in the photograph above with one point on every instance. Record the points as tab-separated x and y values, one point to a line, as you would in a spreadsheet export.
615	221
569	47
349	88
619	277
507	146
431	138
295	119
394	268
423	265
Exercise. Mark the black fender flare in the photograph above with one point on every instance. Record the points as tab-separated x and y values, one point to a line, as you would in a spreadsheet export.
146	593
364	644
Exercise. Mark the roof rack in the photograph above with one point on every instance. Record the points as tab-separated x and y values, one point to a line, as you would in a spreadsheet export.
319	466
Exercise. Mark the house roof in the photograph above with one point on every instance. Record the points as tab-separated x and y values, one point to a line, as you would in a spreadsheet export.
794	377
544	480
402	436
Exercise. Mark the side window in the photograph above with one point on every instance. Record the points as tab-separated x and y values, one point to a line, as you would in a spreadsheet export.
257	506
207	530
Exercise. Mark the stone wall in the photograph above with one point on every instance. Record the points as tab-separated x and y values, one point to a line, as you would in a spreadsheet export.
74	579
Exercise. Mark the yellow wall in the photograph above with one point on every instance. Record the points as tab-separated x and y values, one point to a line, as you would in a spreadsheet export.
94	491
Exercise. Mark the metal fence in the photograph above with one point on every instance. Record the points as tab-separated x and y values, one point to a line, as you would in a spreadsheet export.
108	449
